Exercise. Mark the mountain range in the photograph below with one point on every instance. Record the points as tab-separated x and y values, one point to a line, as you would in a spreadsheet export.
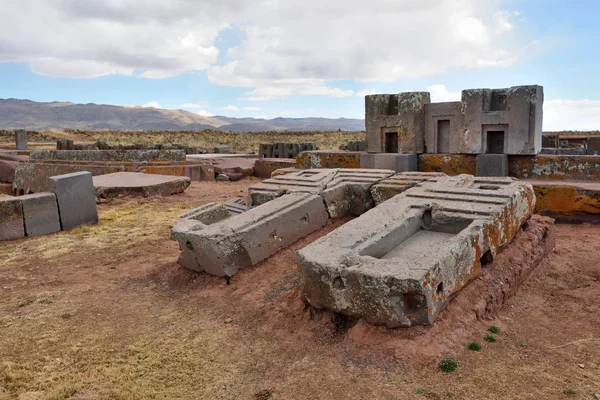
27	114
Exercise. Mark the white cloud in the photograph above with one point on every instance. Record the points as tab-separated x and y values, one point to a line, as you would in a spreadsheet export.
151	104
229	108
205	113
564	114
380	40
289	112
502	18
198	105
252	108
439	93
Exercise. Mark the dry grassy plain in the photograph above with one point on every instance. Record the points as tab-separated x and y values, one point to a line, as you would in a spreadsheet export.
105	312
241	142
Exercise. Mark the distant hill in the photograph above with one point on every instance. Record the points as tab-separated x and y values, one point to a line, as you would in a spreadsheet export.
36	116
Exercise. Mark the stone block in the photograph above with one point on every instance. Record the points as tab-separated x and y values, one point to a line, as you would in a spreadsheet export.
76	199
264	167
328	159
349	191
367	160
396	184
278	150
492	165
11	218
40	214
199	218
400	263
136	184
21	139
265	150
64	144
312	181
246	239
396	162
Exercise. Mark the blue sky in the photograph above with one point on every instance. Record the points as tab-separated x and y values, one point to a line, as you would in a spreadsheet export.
299	58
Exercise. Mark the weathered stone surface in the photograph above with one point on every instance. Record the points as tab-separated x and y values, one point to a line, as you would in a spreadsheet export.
11	218
136	184
492	165
65	144
76	199
312	181
235	168
264	167
21	139
195	220
328	159
396	122
396	184
235	206
395	162
505	121
349	191
284	150
198	218
109	155
400	263
245	239
451	164
40	214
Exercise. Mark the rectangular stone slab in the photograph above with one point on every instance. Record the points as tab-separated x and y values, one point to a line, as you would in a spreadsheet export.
379	267
11	218
246	239
76	199
134	183
312	181
40	214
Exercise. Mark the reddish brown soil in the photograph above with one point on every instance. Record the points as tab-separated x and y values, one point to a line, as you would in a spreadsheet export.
130	323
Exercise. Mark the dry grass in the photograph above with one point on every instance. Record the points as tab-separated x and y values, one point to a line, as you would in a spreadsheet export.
238	141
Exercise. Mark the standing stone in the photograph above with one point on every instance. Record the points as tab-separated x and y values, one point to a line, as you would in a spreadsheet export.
40	214
76	199
21	139
11	218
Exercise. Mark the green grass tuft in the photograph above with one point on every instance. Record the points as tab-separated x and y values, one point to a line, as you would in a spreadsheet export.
474	346
490	338
448	364
494	329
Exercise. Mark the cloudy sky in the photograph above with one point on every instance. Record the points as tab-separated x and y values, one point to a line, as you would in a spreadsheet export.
298	58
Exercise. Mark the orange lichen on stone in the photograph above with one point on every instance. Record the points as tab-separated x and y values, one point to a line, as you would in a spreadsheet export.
567	200
328	159
451	164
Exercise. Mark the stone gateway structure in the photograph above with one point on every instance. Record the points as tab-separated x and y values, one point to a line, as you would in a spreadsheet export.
485	121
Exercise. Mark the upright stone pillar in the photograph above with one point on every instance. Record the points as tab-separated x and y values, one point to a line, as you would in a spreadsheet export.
21	139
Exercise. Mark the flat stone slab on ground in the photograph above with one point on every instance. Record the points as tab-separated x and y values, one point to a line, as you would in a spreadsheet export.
135	183
40	214
76	199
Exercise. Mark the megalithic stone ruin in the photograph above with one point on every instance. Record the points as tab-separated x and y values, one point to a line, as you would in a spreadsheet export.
400	263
